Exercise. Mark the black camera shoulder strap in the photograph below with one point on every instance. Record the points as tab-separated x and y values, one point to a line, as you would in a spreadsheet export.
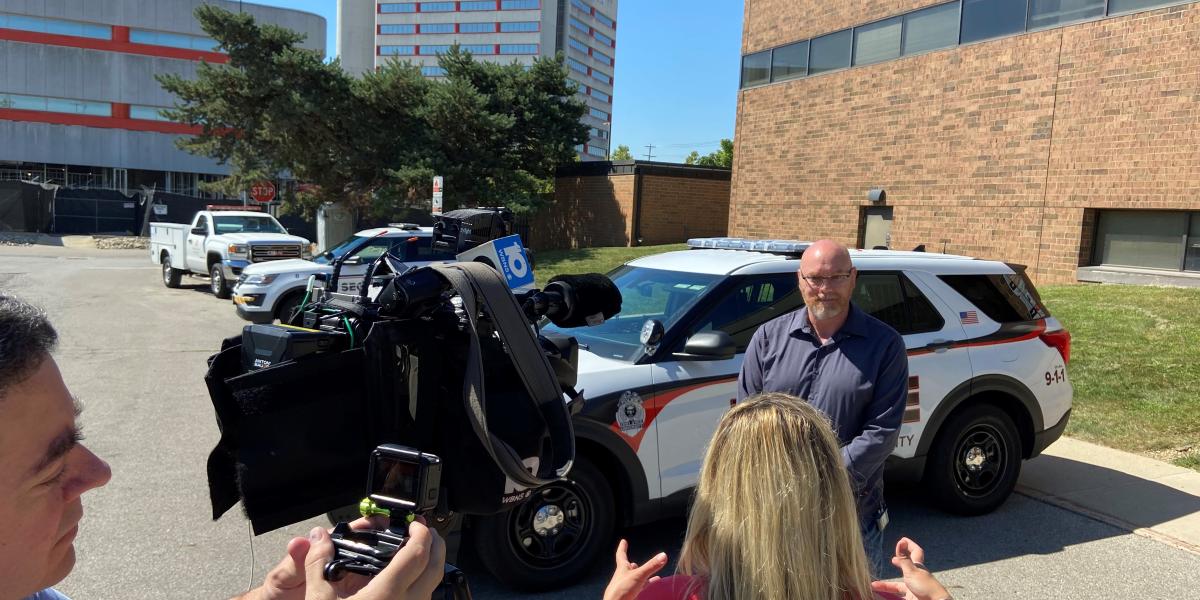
478	284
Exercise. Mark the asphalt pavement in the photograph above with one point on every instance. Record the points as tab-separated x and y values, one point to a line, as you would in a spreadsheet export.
134	353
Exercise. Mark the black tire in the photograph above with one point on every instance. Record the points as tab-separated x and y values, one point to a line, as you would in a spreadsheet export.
171	276
515	553
287	306
975	461
217	283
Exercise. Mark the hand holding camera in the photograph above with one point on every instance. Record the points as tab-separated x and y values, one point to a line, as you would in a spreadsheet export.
415	570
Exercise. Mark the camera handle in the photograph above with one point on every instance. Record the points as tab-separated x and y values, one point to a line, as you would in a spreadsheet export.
368	552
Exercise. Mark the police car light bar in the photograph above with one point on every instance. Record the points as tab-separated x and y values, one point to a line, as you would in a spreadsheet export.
772	246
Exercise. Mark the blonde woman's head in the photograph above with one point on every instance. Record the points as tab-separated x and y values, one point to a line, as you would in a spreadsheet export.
774	517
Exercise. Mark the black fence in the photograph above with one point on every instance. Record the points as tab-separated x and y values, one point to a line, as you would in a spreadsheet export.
84	211
26	206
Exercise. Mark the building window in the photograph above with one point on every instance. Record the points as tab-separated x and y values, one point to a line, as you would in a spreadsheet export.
577	45
601	57
603	38
147	113
932	28
518	48
398	50
605	21
470	6
601	96
596	151
581	6
986	19
56	26
756	68
577	24
476	27
789	62
437	27
479	48
599	114
1150	239
1120	6
877	42
579	86
398	7
520	26
579	149
397	29
57	105
174	40
438	49
577	66
437	7
1048	13
519	4
830	52
597	133
433	71
602	76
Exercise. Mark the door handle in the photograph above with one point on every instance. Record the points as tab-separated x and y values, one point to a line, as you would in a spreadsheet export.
939	345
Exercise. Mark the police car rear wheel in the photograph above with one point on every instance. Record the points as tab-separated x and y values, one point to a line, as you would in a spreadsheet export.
975	461
553	538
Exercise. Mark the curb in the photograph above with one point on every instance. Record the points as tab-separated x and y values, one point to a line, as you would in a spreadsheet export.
1107	519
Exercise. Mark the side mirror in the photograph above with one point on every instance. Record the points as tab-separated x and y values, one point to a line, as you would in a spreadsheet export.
709	345
199	231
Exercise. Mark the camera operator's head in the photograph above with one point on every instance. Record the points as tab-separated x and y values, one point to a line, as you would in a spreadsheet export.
774	516
43	468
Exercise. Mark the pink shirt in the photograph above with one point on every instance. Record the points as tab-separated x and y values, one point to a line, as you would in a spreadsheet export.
675	586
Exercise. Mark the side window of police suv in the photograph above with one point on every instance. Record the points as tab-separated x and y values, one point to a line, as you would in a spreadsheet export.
893	299
889	297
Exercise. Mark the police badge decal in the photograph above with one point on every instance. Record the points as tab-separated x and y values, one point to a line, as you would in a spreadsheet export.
630	413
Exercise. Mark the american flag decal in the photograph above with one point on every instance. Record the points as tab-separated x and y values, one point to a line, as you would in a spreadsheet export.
969	317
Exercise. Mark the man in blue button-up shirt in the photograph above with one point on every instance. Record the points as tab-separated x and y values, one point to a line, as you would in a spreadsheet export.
850	365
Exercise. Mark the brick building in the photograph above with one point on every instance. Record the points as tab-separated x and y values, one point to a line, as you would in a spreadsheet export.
1060	134
632	203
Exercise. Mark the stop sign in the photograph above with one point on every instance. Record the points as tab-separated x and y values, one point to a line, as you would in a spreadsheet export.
263	192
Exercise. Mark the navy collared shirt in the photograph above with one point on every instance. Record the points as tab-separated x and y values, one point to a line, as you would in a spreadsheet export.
859	379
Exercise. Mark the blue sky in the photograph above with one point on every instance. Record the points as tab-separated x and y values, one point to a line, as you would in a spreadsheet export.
676	72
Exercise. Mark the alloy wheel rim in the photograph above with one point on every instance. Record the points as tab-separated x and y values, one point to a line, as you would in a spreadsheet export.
980	460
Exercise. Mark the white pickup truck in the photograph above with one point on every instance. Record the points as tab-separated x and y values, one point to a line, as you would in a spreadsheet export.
220	244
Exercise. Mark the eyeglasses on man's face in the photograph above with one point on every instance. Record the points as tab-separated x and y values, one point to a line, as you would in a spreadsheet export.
828	280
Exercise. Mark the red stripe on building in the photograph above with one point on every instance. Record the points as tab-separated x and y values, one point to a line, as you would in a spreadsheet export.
113	122
114	45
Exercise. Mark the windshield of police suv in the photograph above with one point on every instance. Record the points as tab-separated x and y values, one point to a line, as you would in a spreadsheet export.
409	249
645	294
245	224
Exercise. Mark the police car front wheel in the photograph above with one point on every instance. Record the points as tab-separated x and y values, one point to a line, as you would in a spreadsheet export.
553	538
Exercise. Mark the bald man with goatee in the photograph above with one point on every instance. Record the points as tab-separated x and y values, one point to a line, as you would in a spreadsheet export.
846	363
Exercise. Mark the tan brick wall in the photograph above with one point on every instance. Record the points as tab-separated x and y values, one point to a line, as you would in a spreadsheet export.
598	210
677	208
587	212
992	149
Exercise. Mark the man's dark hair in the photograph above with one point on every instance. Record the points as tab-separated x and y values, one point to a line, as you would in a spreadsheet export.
26	339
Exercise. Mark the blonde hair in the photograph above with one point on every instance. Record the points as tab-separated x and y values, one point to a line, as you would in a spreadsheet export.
773	516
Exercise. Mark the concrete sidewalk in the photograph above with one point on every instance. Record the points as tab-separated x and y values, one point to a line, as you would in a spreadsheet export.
1146	496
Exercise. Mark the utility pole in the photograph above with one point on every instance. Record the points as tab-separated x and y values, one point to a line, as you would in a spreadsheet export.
649	151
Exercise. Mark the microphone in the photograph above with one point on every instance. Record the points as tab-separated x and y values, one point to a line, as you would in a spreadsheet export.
578	300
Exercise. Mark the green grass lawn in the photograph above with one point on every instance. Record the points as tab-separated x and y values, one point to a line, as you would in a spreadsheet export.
590	260
1134	367
1135	355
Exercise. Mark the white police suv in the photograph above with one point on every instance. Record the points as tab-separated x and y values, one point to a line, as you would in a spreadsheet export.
268	291
987	388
